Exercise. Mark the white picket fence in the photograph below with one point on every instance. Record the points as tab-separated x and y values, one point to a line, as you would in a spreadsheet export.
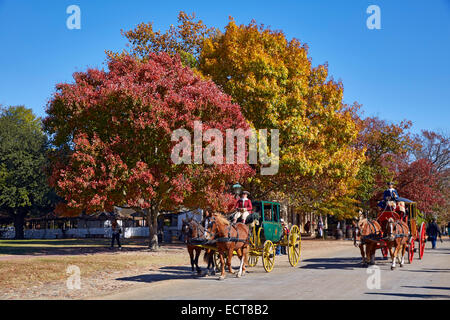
130	232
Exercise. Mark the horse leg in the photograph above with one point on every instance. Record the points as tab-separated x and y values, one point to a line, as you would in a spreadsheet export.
363	254
222	261
245	257
402	262
230	258
191	256
240	255
394	257
197	255
212	263
372	255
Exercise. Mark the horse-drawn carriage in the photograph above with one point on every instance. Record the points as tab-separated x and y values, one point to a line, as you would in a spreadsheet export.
411	217
267	232
264	233
396	229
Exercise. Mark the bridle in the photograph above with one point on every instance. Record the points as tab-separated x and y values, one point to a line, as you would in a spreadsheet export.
391	226
191	226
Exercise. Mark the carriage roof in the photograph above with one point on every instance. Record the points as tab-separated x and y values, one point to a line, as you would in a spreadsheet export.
405	200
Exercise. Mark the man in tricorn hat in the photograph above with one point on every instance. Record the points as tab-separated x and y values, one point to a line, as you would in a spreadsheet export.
390	198
243	207
390	194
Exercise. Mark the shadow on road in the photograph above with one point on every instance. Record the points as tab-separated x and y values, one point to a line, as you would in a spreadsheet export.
167	273
436	288
433	270
411	295
335	263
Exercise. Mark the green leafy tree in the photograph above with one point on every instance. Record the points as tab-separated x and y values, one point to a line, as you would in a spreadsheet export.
23	183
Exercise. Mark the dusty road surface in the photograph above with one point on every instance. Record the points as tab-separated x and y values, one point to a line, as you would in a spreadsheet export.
322	274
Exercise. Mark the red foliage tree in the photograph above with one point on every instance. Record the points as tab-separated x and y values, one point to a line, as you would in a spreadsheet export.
112	132
417	181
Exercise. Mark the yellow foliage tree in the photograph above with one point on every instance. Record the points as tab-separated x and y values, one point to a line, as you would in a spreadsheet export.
274	82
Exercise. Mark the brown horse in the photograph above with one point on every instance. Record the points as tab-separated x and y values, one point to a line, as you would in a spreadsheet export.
194	233
397	236
366	236
229	238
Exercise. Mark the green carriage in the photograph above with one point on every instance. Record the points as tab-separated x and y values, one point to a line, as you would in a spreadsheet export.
267	232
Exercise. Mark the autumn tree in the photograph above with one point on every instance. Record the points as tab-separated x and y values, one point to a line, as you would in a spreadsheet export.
435	147
384	143
416	180
24	189
185	40
274	82
116	128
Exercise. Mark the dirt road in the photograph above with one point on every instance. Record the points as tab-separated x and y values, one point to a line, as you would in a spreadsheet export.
320	275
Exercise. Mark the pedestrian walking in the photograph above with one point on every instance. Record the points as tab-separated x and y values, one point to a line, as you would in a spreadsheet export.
116	231
433	232
448	229
320	227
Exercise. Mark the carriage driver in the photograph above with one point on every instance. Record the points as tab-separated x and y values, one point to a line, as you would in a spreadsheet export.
243	207
390	194
391	199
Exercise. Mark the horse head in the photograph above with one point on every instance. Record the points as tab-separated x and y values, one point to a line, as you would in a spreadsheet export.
217	225
390	229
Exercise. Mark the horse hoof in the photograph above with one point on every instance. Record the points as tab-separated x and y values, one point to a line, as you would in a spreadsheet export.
392	268
238	275
221	278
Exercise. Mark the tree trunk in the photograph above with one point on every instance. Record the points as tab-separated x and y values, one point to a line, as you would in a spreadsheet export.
19	221
152	221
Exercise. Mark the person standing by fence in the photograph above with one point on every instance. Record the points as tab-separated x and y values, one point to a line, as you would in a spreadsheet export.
116	231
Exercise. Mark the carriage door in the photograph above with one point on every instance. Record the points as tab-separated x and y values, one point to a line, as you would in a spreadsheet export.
272	228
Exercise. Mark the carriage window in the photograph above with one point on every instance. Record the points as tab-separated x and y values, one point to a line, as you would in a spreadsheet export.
275	209
267	212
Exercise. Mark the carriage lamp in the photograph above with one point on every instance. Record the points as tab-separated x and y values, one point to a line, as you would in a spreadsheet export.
237	188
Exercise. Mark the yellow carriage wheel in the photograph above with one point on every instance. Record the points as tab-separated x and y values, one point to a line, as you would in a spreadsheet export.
252	260
294	245
268	256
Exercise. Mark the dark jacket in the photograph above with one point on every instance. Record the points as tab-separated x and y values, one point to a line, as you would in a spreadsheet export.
388	195
433	230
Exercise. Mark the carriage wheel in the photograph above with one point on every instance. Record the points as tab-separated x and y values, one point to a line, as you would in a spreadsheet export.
252	260
268	256
411	250
294	245
422	236
384	252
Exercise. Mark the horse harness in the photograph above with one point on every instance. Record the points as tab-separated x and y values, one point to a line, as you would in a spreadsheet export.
229	238
374	235
400	235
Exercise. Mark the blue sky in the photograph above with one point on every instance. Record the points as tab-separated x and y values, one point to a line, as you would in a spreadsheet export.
399	72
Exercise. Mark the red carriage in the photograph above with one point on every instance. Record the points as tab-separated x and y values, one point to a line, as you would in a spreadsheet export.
410	216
